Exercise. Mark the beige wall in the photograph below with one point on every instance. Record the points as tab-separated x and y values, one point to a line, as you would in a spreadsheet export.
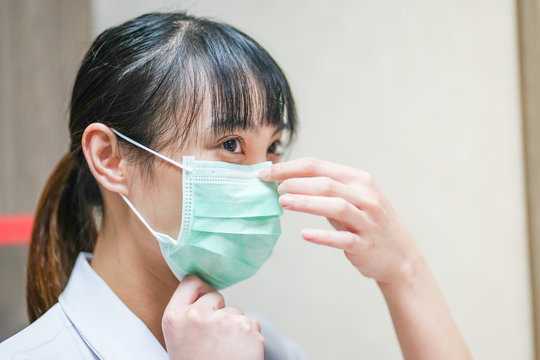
425	96
41	44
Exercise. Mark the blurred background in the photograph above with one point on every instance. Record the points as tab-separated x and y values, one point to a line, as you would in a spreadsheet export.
437	99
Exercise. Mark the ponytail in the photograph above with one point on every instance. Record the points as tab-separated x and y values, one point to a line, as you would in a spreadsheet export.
143	78
64	226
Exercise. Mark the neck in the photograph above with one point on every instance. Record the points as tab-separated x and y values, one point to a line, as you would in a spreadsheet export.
138	276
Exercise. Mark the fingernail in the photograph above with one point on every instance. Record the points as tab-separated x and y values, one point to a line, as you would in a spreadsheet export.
308	233
264	174
282	189
285	201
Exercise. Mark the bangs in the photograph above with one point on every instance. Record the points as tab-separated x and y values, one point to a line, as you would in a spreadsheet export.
219	68
203	68
247	88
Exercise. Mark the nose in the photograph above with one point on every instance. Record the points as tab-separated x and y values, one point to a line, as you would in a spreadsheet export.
257	158
257	152
257	144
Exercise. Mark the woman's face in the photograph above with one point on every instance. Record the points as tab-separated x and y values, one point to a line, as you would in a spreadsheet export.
159	197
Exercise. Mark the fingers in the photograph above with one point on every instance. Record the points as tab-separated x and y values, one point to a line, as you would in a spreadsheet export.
233	310
325	186
211	300
249	321
310	167
191	288
255	323
197	322
343	240
330	207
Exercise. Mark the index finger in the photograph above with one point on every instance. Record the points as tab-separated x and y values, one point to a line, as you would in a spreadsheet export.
311	167
191	288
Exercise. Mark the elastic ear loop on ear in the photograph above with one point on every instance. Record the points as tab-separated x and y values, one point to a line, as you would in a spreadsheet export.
163	157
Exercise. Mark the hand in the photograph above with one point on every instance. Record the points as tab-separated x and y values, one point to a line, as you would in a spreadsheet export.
378	244
197	325
367	228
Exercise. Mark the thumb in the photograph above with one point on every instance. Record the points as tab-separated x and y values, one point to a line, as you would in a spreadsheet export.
191	288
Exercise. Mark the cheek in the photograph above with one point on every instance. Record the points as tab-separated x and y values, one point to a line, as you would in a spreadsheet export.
201	153
169	205
273	158
161	198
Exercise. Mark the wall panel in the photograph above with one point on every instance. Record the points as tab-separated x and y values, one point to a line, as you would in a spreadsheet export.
425	95
41	44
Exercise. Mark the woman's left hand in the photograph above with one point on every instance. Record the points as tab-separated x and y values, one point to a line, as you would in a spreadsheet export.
367	228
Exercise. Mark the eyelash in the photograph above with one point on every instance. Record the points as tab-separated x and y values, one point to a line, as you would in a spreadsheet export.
277	144
239	142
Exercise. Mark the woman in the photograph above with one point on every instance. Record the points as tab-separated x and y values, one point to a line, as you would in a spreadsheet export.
172	121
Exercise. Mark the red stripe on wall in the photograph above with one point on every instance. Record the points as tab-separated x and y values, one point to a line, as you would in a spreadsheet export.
15	229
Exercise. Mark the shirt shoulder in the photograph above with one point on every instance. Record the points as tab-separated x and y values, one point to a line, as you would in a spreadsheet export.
52	336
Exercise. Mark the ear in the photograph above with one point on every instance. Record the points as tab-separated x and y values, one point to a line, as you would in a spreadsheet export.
101	150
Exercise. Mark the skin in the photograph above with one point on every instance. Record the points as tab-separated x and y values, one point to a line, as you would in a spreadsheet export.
191	319
128	257
378	244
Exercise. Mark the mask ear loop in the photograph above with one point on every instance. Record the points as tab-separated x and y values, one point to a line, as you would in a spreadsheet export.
139	215
163	157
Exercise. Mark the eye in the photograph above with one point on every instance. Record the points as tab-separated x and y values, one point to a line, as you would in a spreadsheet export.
232	145
275	148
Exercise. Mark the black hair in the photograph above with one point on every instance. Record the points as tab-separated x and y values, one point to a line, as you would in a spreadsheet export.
149	78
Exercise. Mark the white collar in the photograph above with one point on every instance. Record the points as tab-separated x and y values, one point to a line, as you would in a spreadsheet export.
107	326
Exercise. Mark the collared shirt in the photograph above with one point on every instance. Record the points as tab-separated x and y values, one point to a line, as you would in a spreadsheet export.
91	322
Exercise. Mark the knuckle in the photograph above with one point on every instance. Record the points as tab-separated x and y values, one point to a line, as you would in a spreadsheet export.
194	315
342	207
328	186
222	316
296	201
244	324
359	177
369	243
377	210
288	183
272	171
195	283
255	324
373	206
367	177
376	228
237	310
260	340
311	164
192	279
350	242
221	300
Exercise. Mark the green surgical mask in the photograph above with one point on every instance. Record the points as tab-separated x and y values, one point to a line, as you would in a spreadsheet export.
230	221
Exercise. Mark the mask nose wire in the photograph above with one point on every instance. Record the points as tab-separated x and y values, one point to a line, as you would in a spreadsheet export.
163	157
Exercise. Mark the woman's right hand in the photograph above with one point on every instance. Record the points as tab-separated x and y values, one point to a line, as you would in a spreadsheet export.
197	325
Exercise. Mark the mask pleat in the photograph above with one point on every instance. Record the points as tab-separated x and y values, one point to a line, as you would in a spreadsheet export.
236	200
230	221
249	249
220	270
254	226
